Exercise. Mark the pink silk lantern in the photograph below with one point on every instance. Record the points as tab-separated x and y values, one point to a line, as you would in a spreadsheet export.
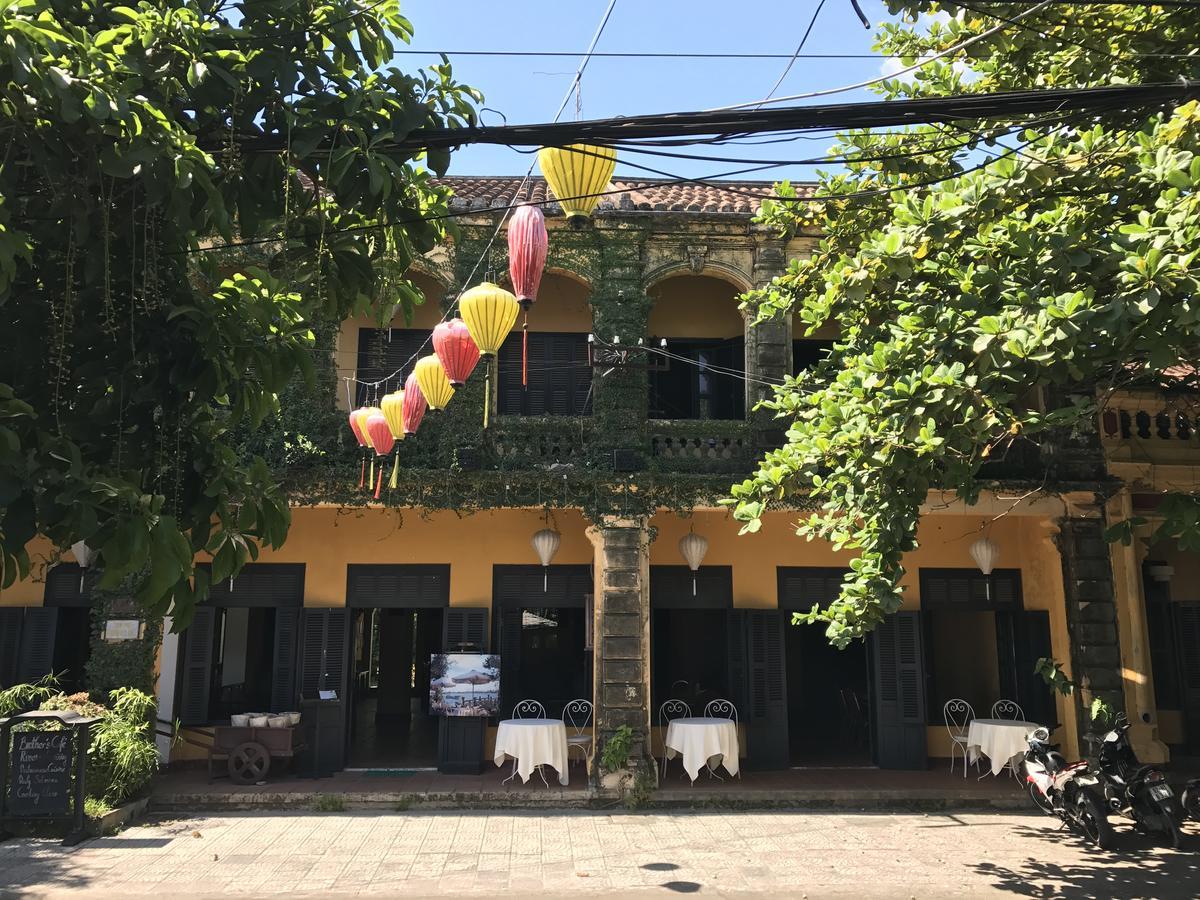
381	440
456	350
414	406
527	246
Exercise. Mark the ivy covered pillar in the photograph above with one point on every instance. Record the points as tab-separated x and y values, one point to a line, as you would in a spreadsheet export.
768	349
1091	610
621	629
621	309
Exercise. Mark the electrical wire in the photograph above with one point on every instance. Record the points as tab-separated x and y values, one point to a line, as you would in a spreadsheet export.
795	56
500	224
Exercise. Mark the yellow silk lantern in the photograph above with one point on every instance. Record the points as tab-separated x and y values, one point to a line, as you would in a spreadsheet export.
363	414
578	174
392	404
490	313
434	384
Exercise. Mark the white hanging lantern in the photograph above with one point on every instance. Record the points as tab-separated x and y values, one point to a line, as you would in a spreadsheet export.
545	544
985	553
693	547
85	556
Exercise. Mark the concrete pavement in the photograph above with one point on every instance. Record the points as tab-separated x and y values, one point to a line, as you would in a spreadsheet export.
416	854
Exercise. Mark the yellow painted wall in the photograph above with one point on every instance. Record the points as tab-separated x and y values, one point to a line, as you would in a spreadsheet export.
31	591
695	306
563	304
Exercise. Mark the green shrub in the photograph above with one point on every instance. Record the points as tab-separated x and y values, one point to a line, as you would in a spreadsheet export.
616	749
24	697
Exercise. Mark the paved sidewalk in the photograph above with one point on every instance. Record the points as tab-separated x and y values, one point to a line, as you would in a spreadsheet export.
475	853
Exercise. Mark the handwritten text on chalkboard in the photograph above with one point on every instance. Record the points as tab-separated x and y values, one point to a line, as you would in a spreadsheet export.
40	782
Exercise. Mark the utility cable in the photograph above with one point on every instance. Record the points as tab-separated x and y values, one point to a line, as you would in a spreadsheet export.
795	56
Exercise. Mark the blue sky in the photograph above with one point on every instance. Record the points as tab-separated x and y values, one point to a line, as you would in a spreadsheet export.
529	89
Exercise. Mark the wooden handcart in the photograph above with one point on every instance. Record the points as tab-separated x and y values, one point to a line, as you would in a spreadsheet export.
249	750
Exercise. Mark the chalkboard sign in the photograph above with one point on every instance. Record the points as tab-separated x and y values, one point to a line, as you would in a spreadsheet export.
40	779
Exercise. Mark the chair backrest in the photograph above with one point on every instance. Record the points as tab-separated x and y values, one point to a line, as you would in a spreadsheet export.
1007	709
673	709
958	716
721	709
577	715
529	709
680	687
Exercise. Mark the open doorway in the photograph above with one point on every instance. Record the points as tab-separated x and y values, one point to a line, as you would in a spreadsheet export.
390	724
828	721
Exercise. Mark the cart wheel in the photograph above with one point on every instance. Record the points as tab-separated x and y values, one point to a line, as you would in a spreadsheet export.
249	762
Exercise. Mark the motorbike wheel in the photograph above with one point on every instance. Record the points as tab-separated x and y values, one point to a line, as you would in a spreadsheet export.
1191	801
1093	821
1040	800
1173	835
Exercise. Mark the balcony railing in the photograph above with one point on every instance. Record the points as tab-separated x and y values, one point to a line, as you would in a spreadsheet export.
717	445
533	441
1148	426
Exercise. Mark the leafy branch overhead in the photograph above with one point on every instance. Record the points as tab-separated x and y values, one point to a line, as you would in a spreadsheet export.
132	352
1065	266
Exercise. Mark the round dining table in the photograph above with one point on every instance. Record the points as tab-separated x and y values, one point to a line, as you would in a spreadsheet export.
532	743
1000	740
703	741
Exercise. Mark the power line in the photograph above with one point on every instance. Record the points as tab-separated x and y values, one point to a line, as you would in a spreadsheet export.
714	55
799	47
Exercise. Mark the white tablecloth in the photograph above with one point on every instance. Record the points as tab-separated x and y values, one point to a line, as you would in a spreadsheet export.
998	739
533	743
699	740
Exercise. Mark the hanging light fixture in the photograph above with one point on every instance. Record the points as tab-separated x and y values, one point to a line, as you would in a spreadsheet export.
381	441
364	413
693	547
528	244
357	421
85	556
489	312
985	552
393	410
435	386
413	408
456	350
577	174
545	543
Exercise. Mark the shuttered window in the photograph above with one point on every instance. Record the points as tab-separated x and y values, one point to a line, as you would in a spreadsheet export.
900	692
398	586
382	351
677	587
465	628
261	585
970	589
701	385
802	587
559	376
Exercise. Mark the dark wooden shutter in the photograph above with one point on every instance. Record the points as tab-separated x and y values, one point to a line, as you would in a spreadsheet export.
509	641
1160	632
899	692
35	659
1187	619
262	586
381	354
758	678
729	401
10	639
970	589
671	587
465	627
802	587
68	585
1032	643
324	651
196	677
398	586
283	670
559	377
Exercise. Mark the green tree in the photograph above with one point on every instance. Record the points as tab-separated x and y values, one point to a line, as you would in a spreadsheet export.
1067	263
137	141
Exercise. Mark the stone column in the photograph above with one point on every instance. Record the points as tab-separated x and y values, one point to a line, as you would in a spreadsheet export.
1127	562
621	642
1091	610
768	349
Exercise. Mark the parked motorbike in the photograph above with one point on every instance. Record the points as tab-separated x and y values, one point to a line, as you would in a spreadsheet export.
1190	799
1140	792
1070	791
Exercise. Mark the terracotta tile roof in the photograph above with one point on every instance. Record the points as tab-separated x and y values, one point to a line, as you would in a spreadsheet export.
643	194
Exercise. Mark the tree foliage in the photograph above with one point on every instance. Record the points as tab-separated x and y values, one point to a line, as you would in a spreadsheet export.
133	349
963	289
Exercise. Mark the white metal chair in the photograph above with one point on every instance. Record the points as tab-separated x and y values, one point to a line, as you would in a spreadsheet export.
577	717
671	709
958	715
529	709
721	709
1008	709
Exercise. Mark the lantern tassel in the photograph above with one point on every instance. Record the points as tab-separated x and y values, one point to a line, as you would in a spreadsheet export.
525	353
693	584
395	471
371	479
379	483
362	473
545	579
487	394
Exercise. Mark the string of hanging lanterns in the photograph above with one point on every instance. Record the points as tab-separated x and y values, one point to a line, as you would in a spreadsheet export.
487	315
